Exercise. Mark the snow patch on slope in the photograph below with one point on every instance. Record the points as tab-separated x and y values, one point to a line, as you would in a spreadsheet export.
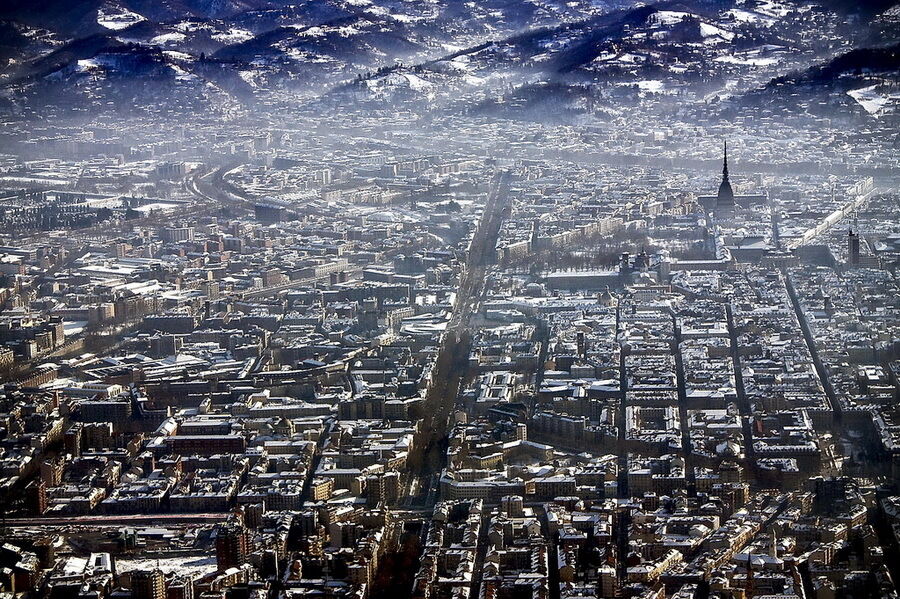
746	16
707	31
116	17
232	36
872	101
168	38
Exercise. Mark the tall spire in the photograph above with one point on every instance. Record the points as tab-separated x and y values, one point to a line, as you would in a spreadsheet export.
725	162
725	197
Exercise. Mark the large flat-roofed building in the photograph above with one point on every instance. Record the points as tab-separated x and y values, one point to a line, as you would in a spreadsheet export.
583	279
206	444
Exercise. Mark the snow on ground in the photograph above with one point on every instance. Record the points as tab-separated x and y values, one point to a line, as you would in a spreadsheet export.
707	30
191	26
233	36
750	62
754	58
417	83
653	86
347	31
401	18
116	17
168	38
158	206
181	74
249	77
398	81
460	63
650	86
311	32
873	101
668	17
190	565
673	17
381	11
74	327
393	215
746	16
33	181
304	56
624	58
86	65
553	44
175	55
772	8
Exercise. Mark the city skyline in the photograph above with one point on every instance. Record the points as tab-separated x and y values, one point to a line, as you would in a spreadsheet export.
504	299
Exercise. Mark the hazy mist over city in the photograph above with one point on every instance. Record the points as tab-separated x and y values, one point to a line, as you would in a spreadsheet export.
448	299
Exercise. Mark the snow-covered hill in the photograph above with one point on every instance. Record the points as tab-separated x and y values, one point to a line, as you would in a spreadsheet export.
440	53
